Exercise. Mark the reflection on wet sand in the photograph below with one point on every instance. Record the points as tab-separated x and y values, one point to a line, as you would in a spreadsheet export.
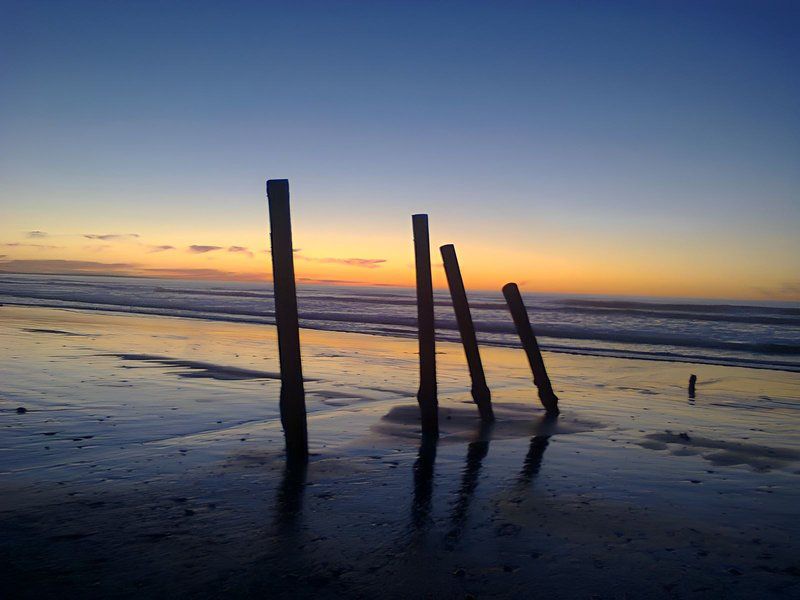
289	498
476	452
533	460
423	483
283	560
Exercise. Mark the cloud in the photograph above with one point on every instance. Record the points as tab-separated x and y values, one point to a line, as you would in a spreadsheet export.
87	267
77	267
36	234
787	290
122	269
214	274
198	249
23	245
241	250
162	248
790	288
107	237
329	281
364	263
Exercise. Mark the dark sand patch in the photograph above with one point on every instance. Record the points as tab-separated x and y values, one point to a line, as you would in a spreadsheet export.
458	424
723	453
350	396
335	398
604	532
58	332
198	369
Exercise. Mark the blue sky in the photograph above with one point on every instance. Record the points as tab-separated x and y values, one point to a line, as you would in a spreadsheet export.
655	133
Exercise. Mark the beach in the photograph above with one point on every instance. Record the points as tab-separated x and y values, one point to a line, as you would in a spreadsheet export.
147	461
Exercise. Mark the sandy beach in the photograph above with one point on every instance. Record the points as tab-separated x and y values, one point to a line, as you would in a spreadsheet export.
148	462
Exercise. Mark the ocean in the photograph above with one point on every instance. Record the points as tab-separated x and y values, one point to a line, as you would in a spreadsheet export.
735	333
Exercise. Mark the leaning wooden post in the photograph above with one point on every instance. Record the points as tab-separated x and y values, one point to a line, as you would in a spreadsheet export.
292	400
520	315
480	391
426	396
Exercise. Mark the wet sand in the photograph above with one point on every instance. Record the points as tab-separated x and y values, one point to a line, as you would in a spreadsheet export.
148	463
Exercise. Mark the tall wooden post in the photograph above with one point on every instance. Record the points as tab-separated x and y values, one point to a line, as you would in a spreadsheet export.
426	396
540	379
480	391
292	400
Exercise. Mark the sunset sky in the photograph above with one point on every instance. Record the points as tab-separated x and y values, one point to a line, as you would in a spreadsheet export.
646	148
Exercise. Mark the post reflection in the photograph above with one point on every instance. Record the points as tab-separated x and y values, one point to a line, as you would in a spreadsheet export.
289	497
533	459
283	560
476	452
423	483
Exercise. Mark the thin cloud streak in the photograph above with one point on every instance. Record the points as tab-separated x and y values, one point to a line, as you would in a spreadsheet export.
189	273
107	237
36	234
788	290
199	249
313	280
162	248
364	263
127	269
63	266
24	245
241	250
124	269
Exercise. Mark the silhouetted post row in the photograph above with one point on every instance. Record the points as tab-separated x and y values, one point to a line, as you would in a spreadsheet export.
480	391
427	395
292	398
540	379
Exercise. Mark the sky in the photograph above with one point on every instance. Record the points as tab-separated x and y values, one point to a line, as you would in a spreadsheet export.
638	148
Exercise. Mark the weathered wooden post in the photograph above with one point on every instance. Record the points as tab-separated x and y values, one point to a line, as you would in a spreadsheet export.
426	396
520	315
292	399
480	391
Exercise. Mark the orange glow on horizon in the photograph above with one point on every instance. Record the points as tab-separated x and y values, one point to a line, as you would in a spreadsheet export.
386	258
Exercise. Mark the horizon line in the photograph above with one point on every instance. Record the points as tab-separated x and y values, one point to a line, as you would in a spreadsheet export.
324	283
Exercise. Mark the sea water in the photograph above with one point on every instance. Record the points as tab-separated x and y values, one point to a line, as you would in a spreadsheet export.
743	333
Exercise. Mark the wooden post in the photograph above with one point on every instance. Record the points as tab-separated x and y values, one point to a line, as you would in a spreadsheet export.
480	391
520	315
292	400
426	396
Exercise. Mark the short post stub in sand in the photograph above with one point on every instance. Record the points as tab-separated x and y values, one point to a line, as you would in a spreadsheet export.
540	379
292	399
427	395
480	391
692	384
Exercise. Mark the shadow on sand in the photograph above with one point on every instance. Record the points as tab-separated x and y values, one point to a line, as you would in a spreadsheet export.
477	450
